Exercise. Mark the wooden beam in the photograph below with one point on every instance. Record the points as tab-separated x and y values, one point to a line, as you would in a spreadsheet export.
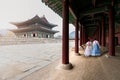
94	11
71	11
92	19
91	26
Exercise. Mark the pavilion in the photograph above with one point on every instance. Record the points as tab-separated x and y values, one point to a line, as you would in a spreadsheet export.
98	19
35	27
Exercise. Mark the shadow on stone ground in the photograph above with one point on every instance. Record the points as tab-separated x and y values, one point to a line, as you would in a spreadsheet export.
85	68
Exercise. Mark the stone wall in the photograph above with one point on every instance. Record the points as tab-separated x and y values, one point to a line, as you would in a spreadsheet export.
15	40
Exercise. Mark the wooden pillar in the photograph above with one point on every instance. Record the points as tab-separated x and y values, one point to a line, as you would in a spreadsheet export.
76	38
65	36
85	36
81	35
99	34
94	3
111	31
103	31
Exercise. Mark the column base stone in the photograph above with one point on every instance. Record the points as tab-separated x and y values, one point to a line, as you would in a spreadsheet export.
66	66
77	54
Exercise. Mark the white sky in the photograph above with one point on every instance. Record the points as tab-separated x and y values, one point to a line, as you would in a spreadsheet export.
21	10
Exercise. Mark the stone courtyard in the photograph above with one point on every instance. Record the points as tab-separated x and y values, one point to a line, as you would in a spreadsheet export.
40	61
18	61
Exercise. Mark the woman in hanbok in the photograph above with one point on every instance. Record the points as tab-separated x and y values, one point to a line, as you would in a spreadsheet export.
88	48
96	49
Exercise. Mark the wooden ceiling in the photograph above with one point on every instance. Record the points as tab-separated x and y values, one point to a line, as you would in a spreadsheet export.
89	12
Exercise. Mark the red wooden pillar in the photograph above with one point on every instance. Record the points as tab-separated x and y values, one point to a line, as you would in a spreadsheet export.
85	36
103	31
81	35
76	37
111	31
99	34
65	36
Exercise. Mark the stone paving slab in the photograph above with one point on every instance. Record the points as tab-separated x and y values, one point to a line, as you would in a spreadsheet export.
18	61
84	68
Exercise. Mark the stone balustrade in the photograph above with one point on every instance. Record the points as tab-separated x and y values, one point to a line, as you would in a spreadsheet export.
15	40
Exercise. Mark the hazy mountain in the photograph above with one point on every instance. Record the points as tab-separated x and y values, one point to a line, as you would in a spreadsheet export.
72	35
6	33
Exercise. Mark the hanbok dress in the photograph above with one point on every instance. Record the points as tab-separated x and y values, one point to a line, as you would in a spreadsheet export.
96	49
88	49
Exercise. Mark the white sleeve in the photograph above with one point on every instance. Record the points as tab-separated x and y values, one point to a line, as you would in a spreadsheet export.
98	44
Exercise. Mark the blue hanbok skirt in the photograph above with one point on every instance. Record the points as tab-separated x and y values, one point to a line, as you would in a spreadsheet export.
96	50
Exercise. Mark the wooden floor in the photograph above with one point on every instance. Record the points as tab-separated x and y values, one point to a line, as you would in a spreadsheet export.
85	68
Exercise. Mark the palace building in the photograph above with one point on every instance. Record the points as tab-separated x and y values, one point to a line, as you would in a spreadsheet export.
35	27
